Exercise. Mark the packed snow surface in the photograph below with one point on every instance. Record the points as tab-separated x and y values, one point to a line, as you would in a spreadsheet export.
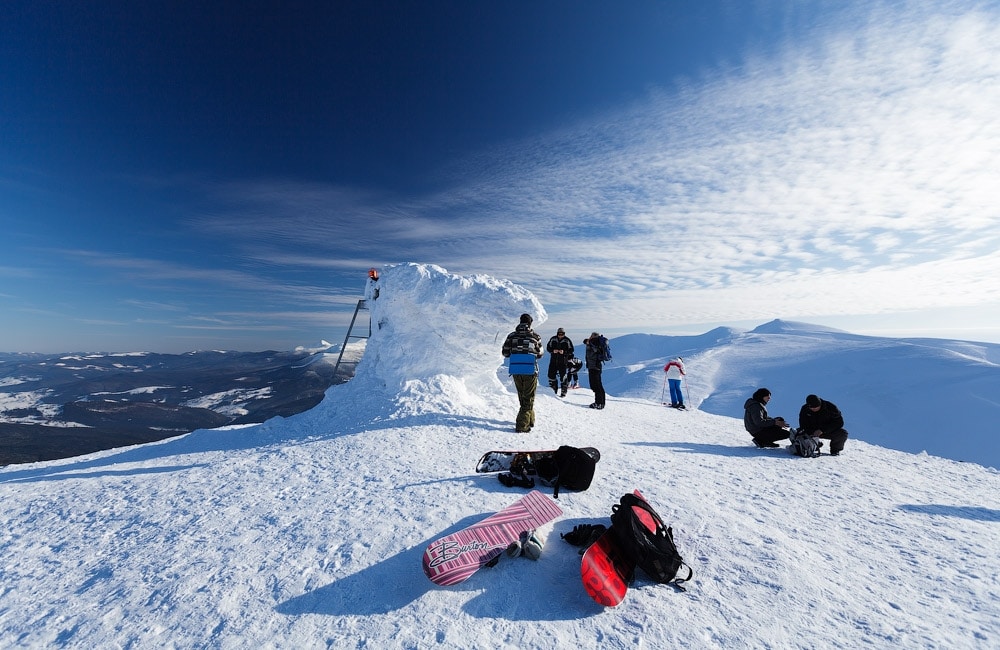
308	532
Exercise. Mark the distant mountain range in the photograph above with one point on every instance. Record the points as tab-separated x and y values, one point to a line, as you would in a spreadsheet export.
908	394
57	406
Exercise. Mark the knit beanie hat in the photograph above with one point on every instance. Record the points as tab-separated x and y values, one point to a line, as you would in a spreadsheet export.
813	401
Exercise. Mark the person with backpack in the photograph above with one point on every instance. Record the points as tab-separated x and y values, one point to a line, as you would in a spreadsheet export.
675	373
822	419
523	347
595	361
560	349
766	431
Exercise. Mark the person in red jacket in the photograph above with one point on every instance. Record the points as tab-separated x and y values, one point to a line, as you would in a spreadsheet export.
675	373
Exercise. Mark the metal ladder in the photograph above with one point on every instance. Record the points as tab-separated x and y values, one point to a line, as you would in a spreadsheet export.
361	306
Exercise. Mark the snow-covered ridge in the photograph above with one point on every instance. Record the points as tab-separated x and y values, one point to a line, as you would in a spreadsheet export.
308	530
914	395
779	326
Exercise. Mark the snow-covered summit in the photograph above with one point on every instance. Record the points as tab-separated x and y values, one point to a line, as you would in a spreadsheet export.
437	335
779	326
308	531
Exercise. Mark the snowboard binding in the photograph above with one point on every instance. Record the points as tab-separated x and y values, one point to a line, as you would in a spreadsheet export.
516	481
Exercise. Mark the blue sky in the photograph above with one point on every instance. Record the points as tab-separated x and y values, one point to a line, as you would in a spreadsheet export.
175	177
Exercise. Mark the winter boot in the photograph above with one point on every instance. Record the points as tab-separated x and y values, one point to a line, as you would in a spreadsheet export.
518	547
531	548
514	549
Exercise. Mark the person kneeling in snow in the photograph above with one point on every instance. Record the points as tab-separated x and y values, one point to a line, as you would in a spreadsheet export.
822	419
766	431
573	366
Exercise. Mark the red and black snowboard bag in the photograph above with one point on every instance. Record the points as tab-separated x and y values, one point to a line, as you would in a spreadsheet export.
650	544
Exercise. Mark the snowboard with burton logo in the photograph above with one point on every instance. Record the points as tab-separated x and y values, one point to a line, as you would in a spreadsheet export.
454	558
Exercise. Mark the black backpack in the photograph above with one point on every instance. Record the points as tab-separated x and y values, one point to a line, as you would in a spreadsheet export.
569	467
603	348
650	545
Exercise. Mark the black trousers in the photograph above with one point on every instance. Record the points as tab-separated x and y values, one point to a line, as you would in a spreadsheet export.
771	434
557	372
837	440
597	386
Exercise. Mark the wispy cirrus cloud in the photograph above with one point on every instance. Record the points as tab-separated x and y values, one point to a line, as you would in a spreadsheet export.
850	171
868	158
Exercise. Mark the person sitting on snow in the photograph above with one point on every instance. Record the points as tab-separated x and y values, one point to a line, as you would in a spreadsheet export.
766	431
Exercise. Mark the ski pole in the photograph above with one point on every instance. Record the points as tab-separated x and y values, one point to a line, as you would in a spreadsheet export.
664	390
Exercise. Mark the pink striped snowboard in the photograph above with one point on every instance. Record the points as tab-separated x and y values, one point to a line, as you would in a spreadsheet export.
453	558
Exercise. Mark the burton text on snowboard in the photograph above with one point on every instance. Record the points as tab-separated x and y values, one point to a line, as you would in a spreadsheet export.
455	557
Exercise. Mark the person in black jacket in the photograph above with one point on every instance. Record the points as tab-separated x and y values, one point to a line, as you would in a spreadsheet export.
766	431
560	349
594	366
822	419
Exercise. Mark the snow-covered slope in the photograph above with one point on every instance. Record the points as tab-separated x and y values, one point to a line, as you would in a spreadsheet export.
307	532
914	395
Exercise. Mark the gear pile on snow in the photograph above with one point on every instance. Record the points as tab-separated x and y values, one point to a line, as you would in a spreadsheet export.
804	444
644	538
